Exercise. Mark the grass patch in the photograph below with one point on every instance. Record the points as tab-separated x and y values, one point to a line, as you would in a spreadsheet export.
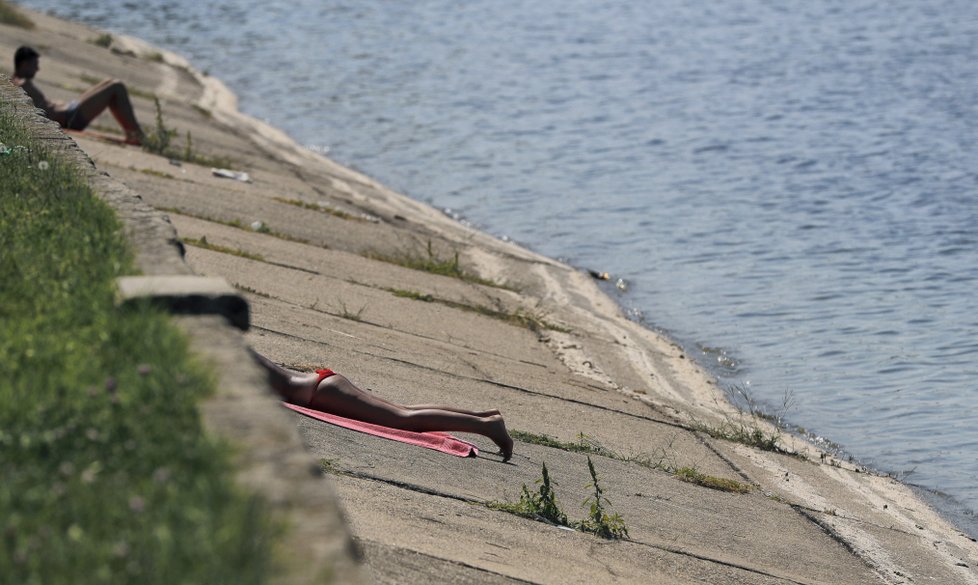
320	208
434	264
204	244
252	291
589	446
160	140
582	445
541	504
410	294
237	224
598	520
153	173
531	320
9	14
155	57
203	111
352	315
108	475
104	40
691	475
749	428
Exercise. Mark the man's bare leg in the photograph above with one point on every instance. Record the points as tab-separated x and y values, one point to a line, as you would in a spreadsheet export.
111	94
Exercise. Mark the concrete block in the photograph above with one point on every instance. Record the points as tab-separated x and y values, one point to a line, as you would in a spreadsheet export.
186	295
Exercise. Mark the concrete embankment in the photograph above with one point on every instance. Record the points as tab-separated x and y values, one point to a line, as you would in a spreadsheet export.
325	279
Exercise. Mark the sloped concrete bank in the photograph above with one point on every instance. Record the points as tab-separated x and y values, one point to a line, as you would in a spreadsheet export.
269	458
537	339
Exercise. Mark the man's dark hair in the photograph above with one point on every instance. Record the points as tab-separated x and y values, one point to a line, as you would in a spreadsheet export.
24	53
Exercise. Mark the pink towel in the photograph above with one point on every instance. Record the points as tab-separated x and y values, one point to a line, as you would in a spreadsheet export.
432	440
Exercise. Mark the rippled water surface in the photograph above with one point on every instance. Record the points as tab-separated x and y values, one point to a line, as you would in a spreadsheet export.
792	188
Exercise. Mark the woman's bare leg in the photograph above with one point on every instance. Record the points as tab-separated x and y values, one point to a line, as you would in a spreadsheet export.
337	395
479	413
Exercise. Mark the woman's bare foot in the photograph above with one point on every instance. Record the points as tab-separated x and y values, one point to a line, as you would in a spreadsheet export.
500	436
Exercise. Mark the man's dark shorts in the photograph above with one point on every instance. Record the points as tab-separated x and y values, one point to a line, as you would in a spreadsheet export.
74	120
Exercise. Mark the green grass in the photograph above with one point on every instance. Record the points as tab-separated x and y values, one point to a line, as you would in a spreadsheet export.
691	475
531	320
582	445
589	446
434	264
599	521
104	40
153	173
751	426
160	140
540	504
107	474
9	14
319	208
236	223
203	243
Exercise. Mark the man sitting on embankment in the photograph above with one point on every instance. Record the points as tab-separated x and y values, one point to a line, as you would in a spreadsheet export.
78	114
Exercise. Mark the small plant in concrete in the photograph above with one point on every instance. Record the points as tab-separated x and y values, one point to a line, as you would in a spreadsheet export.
599	521
352	316
539	505
433	263
748	428
158	138
691	475
103	40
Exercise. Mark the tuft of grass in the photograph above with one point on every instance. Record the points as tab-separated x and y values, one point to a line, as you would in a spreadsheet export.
582	445
531	320
236	223
203	243
159	140
155	57
434	264
542	505
153	173
252	291
320	208
351	315
104	40
413	295
537	505
589	446
107	470
691	475
10	14
599	521
748	429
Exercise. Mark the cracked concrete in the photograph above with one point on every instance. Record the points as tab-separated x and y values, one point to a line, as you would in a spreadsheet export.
320	297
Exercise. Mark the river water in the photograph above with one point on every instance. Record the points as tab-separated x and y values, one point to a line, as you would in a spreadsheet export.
790	190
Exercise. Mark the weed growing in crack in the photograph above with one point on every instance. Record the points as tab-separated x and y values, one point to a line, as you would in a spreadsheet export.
748	428
347	314
598	521
539	505
542	506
